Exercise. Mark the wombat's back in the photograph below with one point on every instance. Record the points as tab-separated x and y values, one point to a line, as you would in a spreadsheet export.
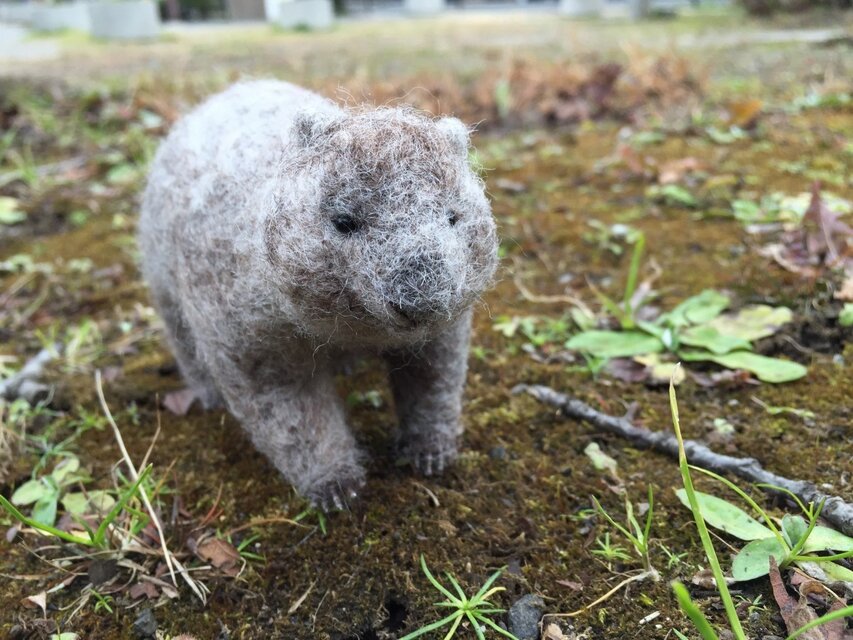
212	174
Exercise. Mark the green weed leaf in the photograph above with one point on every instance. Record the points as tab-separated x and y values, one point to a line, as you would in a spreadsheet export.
753	322
726	517
709	338
766	369
753	561
614	344
31	491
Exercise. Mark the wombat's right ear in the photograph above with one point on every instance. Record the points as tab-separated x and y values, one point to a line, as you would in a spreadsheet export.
458	134
309	126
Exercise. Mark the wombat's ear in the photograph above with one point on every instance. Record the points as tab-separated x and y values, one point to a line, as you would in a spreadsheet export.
457	133
309	126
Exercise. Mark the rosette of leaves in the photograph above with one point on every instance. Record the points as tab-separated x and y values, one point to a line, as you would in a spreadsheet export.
44	493
697	330
792	539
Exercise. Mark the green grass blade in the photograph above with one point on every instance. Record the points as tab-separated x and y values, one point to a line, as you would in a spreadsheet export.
456	586
633	274
693	612
476	625
648	528
707	545
453	628
437	584
829	617
832	558
493	625
613	523
62	535
417	633
484	590
101	533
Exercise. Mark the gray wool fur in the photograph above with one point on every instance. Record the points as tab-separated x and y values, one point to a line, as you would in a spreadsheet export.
280	233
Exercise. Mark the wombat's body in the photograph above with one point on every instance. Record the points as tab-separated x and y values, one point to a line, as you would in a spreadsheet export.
279	230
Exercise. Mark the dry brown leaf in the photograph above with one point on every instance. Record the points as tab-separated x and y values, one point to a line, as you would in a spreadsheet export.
179	402
675	170
744	113
39	600
845	293
146	589
221	554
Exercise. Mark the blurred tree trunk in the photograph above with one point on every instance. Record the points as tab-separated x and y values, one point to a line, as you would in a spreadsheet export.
640	9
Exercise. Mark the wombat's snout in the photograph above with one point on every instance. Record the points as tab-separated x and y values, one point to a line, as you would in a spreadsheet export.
421	289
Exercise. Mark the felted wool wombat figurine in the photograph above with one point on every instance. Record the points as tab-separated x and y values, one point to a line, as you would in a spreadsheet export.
280	232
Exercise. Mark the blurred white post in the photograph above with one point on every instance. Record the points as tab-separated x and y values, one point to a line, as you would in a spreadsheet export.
640	8
58	17
304	14
423	7
125	19
579	8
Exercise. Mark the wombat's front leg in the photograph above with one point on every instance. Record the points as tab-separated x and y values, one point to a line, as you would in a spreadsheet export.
427	382
296	419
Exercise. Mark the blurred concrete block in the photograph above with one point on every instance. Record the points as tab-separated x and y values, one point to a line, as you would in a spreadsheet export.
125	20
17	12
423	7
579	8
58	17
305	14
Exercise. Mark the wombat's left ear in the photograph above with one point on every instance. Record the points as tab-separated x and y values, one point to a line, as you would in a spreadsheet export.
458	134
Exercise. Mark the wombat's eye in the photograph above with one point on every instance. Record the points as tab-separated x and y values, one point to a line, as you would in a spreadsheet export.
452	217
346	224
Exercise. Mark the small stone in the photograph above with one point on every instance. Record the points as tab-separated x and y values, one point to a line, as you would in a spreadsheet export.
145	625
524	615
497	453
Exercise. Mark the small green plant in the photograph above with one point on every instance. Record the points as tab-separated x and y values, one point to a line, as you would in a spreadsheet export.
626	311
682	595
476	609
608	551
636	534
95	538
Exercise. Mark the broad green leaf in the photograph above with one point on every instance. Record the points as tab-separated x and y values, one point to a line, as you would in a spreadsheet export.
31	491
753	561
708	337
661	372
726	517
793	528
771	370
836	572
63	471
9	212
75	503
600	460
824	538
614	344
845	318
100	501
698	309
44	510
753	322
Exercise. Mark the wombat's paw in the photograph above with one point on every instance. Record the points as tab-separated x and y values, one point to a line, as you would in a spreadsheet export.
335	495
431	459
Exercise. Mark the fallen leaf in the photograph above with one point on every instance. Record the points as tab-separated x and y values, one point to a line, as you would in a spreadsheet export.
675	170
221	554
744	113
39	600
179	402
600	460
143	589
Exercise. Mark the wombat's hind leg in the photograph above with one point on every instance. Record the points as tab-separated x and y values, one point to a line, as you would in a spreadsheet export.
427	384
194	373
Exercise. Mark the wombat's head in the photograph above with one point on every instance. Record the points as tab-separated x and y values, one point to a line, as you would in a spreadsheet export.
382	229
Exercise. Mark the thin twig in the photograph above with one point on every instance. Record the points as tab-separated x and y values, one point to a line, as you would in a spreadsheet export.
565	299
170	560
835	510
